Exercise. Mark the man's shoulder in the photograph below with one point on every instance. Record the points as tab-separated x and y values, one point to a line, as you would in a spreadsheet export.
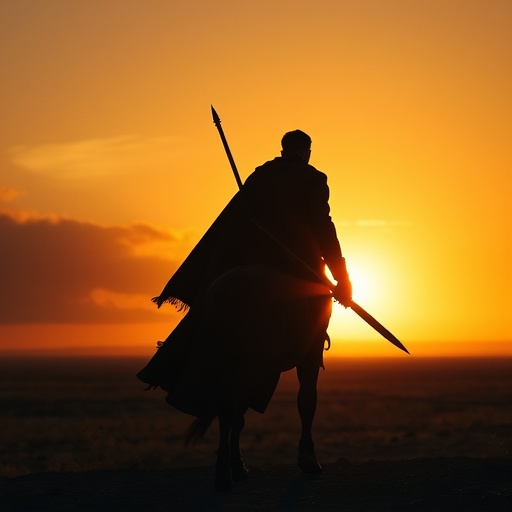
295	166
270	165
318	173
312	174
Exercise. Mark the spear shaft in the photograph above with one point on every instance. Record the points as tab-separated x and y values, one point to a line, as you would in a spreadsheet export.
369	319
216	121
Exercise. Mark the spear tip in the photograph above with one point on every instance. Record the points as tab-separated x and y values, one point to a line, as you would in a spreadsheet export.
216	118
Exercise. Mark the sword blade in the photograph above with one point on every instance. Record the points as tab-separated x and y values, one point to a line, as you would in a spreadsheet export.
377	326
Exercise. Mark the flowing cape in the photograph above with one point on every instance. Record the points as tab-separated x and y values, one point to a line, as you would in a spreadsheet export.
250	336
205	263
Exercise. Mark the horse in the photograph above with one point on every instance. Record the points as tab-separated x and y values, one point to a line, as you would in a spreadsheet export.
229	351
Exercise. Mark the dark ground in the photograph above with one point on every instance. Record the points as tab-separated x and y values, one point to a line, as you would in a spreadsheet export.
393	435
437	484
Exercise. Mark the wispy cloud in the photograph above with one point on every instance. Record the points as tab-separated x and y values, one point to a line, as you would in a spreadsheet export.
381	223
8	194
97	157
64	270
115	300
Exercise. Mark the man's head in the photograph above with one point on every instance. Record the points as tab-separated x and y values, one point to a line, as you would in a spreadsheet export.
296	143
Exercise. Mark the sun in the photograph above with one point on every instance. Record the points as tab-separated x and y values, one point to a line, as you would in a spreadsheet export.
364	286
365	283
372	291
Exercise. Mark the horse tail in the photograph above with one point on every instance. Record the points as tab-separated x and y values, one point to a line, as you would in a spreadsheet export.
197	429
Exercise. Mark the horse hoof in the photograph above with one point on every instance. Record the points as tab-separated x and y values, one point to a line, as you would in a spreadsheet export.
223	475
308	463
239	469
223	482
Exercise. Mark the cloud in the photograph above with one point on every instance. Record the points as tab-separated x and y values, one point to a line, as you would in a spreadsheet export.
97	157
380	223
65	270
8	194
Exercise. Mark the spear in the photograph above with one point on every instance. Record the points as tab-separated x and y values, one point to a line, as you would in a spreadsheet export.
369	319
216	121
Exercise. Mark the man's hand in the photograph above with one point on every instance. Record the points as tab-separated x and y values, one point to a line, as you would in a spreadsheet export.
343	292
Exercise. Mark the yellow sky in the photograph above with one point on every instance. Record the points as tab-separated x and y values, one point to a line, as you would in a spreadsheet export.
111	168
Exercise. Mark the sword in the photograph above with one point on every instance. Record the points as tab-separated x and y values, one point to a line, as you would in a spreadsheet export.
369	319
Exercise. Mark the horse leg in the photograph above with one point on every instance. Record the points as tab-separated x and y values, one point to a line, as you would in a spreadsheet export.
223	473
307	373
238	469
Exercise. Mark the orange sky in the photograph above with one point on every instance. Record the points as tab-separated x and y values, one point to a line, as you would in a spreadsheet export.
111	168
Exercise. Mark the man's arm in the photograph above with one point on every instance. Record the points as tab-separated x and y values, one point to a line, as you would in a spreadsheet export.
327	239
323	228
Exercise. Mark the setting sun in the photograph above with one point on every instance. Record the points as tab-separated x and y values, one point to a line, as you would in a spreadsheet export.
367	286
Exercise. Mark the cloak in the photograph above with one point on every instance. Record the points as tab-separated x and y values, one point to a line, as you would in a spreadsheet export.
252	311
205	262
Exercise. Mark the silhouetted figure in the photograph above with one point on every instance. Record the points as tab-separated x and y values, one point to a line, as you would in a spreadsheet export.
256	309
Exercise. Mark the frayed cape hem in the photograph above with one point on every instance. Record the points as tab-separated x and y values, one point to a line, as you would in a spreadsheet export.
174	301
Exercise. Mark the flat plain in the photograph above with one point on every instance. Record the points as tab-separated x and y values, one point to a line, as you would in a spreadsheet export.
77	416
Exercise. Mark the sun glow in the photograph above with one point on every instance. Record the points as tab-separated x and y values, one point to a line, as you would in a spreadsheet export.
371	290
363	286
367	283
